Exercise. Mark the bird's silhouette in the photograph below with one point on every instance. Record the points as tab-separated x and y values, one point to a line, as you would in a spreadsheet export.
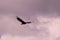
22	22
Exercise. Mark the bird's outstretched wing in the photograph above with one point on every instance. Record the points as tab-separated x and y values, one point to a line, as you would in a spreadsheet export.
23	22
20	20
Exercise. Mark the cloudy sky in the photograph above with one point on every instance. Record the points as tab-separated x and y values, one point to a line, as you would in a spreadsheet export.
44	15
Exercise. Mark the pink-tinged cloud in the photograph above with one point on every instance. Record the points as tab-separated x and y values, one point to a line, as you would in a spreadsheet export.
47	28
52	23
10	37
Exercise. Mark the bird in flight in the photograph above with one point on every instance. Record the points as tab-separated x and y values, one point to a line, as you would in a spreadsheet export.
22	22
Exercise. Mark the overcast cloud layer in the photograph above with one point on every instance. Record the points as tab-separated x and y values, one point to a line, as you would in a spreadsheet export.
47	28
30	7
44	15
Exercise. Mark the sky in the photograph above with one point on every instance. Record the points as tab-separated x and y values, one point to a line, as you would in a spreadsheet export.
44	15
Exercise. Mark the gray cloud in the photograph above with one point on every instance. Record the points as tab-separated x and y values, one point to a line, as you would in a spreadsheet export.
30	7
